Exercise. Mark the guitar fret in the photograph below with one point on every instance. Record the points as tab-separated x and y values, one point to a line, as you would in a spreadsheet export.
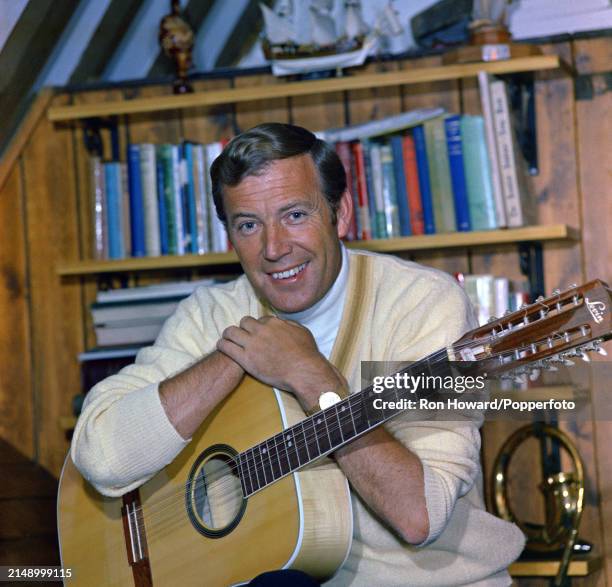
263	465
250	462
308	458
310	435
283	457
292	457
243	477
333	429
321	432
272	455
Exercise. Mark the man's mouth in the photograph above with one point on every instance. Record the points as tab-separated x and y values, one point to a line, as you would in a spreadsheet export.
289	272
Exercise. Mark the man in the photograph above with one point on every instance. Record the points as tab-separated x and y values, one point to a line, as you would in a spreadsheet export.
304	299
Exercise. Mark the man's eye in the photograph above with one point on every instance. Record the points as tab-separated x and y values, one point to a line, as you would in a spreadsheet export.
297	215
246	227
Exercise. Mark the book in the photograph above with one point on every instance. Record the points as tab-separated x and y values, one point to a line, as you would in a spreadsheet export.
413	191
424	184
137	222
452	127
100	229
148	178
477	173
172	208
512	172
401	192
148	292
126	226
363	211
380	220
367	159
376	128
161	206
389	192
189	198
152	309
201	199
112	183
439	176
219	242
487	113
481	291
131	334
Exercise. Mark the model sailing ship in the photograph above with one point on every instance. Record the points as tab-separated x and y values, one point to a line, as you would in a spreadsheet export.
303	36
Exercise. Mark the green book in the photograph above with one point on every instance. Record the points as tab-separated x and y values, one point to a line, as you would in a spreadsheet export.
439	175
167	161
481	200
377	187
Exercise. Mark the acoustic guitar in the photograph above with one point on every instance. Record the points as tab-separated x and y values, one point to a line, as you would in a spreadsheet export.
255	489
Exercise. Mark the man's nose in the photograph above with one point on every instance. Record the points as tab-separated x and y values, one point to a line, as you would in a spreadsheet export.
276	242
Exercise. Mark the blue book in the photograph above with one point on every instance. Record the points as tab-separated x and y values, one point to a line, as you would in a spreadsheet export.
189	207
136	205
400	185
424	185
112	179
452	126
161	206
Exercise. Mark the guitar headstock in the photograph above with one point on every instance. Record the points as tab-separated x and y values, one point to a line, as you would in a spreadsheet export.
570	323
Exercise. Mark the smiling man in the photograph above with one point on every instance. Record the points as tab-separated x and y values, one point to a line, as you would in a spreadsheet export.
301	319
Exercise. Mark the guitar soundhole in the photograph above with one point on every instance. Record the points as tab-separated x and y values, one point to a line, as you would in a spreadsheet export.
214	498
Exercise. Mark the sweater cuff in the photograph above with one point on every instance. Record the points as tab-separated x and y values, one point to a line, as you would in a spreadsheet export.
438	510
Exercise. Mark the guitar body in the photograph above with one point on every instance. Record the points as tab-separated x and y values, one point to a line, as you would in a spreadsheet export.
303	521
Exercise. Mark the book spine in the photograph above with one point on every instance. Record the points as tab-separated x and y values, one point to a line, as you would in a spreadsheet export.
344	153
478	174
377	185
199	182
401	192
126	226
452	126
389	192
100	232
439	175
367	159
363	211
148	172
506	152
191	199
177	197
415	203
113	210
487	113
169	199
424	183
161	204
219	236
137	223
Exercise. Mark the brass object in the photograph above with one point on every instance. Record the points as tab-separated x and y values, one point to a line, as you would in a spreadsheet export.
176	39
563	497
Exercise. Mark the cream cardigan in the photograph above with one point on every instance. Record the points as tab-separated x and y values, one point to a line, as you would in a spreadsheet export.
395	311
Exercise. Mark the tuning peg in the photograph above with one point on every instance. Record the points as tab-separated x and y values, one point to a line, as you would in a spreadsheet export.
565	360
585	357
556	292
561	359
602	351
491	319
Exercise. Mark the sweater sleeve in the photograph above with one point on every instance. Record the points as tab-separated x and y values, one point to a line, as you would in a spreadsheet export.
123	436
449	450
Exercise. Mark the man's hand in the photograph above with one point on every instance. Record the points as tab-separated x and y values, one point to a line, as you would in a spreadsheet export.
283	354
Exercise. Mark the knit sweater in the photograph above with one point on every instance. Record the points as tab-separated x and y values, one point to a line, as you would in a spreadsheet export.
394	311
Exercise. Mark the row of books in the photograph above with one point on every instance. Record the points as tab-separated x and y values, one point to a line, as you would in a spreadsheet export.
135	316
158	203
419	172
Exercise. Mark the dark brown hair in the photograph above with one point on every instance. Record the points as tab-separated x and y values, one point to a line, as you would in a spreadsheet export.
250	152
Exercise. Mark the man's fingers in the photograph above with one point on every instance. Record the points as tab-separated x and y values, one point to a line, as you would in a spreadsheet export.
231	349
249	324
236	335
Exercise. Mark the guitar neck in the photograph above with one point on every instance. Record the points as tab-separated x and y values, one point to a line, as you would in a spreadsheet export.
326	431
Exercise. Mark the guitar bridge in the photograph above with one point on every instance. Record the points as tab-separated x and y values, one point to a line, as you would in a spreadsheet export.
136	539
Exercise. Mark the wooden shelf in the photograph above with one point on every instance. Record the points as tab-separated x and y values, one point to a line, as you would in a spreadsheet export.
288	89
579	567
555	232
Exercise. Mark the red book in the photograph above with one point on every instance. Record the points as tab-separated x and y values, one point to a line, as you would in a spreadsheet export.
362	192
415	205
344	152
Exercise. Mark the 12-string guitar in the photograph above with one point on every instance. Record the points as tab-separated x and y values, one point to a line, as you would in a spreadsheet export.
254	490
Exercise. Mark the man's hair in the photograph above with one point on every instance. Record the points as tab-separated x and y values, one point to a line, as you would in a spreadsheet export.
251	152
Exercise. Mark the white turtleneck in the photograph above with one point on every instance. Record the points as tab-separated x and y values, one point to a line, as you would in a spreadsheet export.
323	319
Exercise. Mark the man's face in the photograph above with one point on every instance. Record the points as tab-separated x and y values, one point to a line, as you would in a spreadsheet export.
281	228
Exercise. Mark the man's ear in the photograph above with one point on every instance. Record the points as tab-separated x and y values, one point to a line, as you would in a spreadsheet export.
344	215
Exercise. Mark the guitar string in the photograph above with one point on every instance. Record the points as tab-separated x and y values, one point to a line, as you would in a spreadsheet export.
345	418
235	482
256	467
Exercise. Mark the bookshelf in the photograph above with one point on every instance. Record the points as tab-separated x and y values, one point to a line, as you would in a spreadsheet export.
304	88
559	232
